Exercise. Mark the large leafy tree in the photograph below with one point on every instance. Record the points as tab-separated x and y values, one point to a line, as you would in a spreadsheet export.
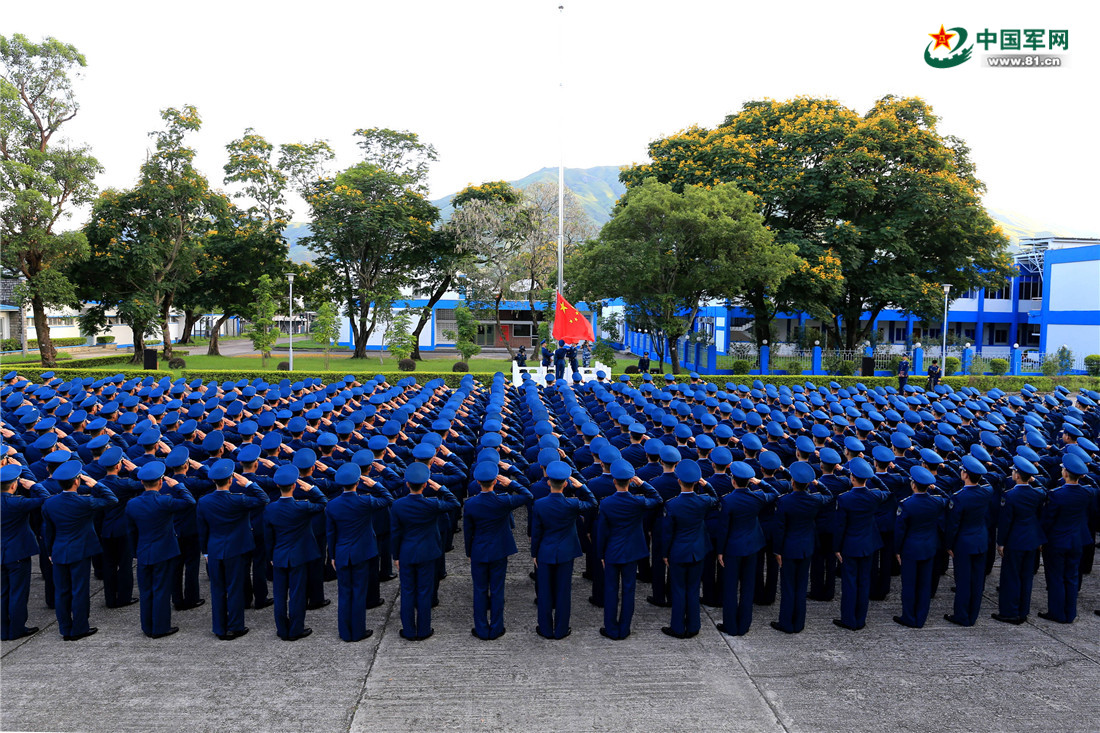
882	207
372	226
667	252
42	176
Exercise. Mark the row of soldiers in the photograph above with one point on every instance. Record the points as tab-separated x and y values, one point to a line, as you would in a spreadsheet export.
728	495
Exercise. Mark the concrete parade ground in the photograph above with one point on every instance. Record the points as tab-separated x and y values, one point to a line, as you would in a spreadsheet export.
1040	676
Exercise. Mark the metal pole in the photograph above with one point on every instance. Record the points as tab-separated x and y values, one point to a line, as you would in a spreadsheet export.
291	327
561	152
943	352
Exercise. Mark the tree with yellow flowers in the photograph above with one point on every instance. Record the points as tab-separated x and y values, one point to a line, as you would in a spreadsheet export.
882	207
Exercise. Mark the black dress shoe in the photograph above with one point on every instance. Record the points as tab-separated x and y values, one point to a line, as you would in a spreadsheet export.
189	606
779	627
533	575
586	575
568	631
952	619
386	578
539	632
1097	612
603	632
376	604
366	635
667	631
322	604
723	629
77	637
595	601
497	636
903	622
234	634
435	602
406	638
473	632
169	632
124	604
1014	620
264	604
843	625
305	632
1050	617
660	604
26	632
426	636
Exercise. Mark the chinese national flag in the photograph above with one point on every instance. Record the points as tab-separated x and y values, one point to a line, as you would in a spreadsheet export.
569	325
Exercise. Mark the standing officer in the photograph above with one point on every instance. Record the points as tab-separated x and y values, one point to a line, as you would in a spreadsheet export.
225	538
685	545
352	548
1065	521
1019	536
559	360
903	372
114	535
857	539
740	540
967	541
67	527
291	546
796	525
150	518
487	528
417	544
554	546
621	538
916	539
18	545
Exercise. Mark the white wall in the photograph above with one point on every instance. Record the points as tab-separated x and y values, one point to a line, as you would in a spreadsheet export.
1074	286
1081	340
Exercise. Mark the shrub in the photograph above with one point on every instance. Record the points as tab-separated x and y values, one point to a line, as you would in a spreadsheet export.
978	366
998	366
794	367
407	365
460	366
284	366
741	366
844	368
177	363
1064	357
893	363
100	340
1092	365
632	369
603	353
951	365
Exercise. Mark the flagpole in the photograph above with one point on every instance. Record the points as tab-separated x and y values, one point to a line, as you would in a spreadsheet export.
561	150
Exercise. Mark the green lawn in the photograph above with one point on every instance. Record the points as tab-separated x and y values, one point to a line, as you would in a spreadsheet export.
337	363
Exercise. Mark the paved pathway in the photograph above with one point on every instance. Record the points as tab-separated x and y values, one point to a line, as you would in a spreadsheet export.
1036	677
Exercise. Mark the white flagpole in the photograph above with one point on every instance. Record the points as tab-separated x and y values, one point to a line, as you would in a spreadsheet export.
561	150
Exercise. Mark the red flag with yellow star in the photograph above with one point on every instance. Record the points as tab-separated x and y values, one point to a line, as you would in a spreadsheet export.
569	325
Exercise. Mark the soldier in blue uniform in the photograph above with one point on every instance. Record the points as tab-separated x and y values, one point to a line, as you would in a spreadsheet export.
796	513
1065	519
554	546
967	540
150	518
291	546
1019	537
857	539
18	545
417	544
487	529
114	534
621	545
916	539
740	539
352	548
684	545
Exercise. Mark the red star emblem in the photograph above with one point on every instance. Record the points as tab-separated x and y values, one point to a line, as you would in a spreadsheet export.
942	38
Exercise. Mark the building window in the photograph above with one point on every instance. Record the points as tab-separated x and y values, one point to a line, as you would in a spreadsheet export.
1004	293
968	333
1000	336
1031	289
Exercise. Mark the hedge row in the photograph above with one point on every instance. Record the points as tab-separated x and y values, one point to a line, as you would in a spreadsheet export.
983	383
16	344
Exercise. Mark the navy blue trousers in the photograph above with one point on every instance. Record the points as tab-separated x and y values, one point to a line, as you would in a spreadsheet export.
684	581
554	588
794	578
916	589
1063	571
118	571
15	588
969	586
289	589
417	586
352	589
619	584
185	588
488	580
823	568
72	596
155	594
1017	576
738	590
227	580
855	585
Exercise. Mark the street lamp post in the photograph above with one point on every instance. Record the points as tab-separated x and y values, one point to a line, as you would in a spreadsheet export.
290	328
943	354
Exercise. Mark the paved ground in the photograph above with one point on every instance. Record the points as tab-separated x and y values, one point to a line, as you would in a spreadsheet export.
1036	677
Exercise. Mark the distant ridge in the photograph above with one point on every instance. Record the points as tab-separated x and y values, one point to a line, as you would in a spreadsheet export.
598	189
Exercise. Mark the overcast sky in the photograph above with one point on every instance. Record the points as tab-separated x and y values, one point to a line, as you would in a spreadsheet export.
480	80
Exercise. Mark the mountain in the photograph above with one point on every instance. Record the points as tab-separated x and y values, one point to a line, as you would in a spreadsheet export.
598	189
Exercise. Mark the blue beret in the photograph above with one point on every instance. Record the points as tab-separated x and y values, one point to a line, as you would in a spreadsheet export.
154	470
803	444
882	454
150	437
1024	466
861	469
750	441
423	451
486	471
327	440
930	457
900	440
417	473
296	424
558	471
286	475
653	447
974	466
11	471
213	441
853	444
829	457
271	441
177	457
348	475
704	442
304	458
111	457
1074	464
770	461
248	453
220	470
922	476
58	456
688	471
721	456
67	470
377	442
669	454
802	472
609	454
622	470
741	470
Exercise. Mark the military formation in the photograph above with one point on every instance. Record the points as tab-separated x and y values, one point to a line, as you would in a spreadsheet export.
731	497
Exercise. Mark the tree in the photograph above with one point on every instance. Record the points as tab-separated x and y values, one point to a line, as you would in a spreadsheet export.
882	208
326	328
465	333
372	226
665	253
435	278
41	179
398	339
264	334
